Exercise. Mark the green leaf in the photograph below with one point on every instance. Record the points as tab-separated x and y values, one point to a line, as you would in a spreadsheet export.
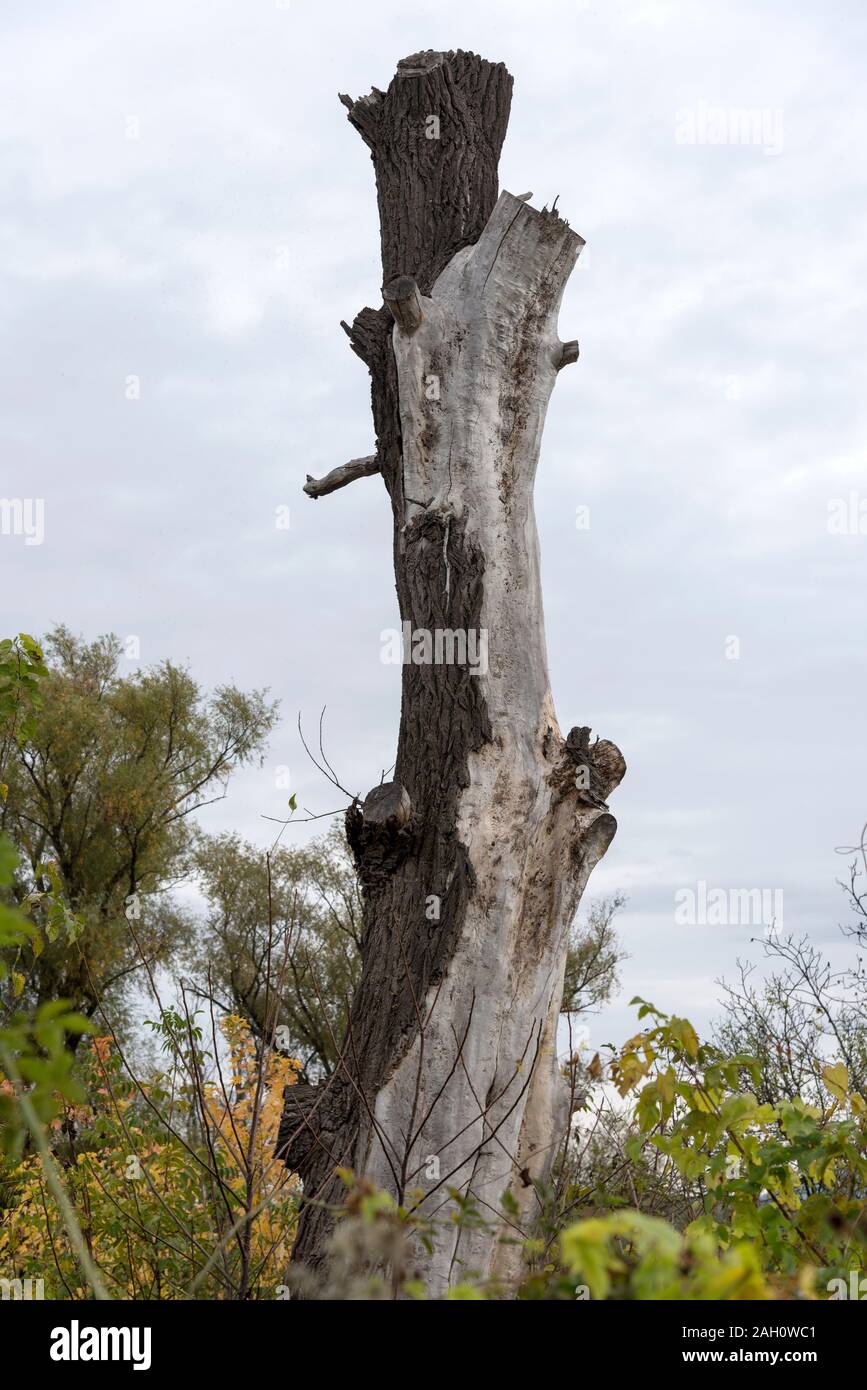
685	1034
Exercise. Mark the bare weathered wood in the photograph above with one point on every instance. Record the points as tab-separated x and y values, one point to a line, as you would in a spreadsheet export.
568	354
339	477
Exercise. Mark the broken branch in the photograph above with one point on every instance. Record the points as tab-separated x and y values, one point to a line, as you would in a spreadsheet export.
401	296
339	477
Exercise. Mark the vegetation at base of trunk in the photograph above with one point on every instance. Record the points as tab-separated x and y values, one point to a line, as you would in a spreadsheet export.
728	1169
764	1201
159	1171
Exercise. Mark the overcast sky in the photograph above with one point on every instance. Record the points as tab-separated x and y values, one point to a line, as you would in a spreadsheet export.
183	202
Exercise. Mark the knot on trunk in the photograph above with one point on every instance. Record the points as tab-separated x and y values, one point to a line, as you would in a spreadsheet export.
380	831
592	769
309	1124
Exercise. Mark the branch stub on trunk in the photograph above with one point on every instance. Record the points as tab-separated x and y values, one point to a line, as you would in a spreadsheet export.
380	832
387	804
402	298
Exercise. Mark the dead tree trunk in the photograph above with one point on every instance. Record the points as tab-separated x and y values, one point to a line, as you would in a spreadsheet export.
474	859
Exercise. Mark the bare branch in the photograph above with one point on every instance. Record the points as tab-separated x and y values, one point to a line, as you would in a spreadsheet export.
339	477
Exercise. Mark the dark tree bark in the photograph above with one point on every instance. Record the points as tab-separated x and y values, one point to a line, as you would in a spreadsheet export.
474	859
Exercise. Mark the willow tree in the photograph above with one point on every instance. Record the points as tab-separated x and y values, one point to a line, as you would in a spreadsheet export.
473	860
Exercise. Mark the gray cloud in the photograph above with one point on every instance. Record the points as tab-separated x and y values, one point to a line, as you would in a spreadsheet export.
718	405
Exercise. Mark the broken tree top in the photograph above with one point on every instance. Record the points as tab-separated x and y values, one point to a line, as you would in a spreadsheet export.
436	186
435	137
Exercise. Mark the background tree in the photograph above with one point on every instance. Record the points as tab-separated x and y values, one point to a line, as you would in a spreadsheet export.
282	952
473	860
100	791
592	958
804	1010
795	1019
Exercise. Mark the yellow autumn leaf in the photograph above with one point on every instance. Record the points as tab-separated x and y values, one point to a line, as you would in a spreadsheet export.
630	1070
683	1030
836	1078
665	1085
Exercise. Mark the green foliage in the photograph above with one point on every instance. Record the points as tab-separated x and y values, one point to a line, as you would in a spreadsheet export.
630	1255
171	1178
592	959
790	1178
22	669
286	935
38	1041
98	794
